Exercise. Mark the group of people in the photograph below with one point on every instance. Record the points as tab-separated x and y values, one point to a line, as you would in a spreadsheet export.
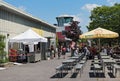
89	51
57	52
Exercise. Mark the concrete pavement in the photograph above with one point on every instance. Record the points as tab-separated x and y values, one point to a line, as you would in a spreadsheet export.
45	71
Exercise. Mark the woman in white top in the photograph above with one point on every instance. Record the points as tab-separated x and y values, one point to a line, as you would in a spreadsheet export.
76	52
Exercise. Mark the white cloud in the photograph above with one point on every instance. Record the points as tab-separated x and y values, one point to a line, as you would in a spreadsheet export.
83	19
77	18
90	7
112	2
22	8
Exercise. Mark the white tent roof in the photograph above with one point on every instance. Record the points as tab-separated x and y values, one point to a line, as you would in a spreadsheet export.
28	36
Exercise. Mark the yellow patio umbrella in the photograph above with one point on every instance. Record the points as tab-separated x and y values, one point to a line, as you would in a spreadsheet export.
99	33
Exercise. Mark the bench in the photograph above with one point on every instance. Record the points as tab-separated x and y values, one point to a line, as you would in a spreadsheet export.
78	68
97	67
59	69
82	62
116	67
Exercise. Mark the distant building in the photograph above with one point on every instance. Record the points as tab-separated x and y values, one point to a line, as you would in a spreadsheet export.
63	22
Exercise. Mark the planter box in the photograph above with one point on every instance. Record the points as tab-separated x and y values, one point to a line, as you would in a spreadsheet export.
8	64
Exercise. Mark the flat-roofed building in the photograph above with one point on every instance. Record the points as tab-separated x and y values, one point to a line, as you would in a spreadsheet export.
14	21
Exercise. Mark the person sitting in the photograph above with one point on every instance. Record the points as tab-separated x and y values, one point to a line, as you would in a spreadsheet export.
76	52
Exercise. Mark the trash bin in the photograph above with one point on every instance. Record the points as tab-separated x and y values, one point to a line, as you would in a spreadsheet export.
48	55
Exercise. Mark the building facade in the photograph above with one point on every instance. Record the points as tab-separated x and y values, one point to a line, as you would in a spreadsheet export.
14	21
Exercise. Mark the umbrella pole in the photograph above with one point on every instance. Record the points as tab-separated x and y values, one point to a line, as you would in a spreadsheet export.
99	44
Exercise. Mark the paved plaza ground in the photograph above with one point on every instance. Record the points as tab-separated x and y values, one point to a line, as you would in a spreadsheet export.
45	71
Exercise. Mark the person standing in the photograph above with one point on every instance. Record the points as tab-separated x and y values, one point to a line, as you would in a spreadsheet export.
94	52
63	52
59	52
52	52
23	58
76	52
26	53
87	52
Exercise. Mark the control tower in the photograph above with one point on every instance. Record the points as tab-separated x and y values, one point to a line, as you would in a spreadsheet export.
63	20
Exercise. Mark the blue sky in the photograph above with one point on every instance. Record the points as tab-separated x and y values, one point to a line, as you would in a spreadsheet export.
48	10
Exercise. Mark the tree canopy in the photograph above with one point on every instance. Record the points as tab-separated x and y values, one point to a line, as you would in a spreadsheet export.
107	17
74	31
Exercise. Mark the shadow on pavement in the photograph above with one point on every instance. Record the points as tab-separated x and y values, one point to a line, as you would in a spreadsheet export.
109	68
96	75
59	75
74	75
91	68
111	75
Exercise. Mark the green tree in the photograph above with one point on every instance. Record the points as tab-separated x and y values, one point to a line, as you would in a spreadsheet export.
73	33
107	17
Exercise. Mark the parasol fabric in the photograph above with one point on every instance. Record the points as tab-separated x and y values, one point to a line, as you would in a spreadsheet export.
99	33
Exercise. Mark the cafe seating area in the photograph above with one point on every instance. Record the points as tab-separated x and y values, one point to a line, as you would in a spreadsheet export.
101	64
73	64
107	63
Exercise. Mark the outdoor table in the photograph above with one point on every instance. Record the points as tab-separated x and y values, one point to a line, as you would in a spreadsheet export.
116	67
108	62
96	61
76	58
118	57
103	54
97	67
105	57
96	58
82	62
69	63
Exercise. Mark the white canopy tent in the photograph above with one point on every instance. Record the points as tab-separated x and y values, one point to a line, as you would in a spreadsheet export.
28	36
